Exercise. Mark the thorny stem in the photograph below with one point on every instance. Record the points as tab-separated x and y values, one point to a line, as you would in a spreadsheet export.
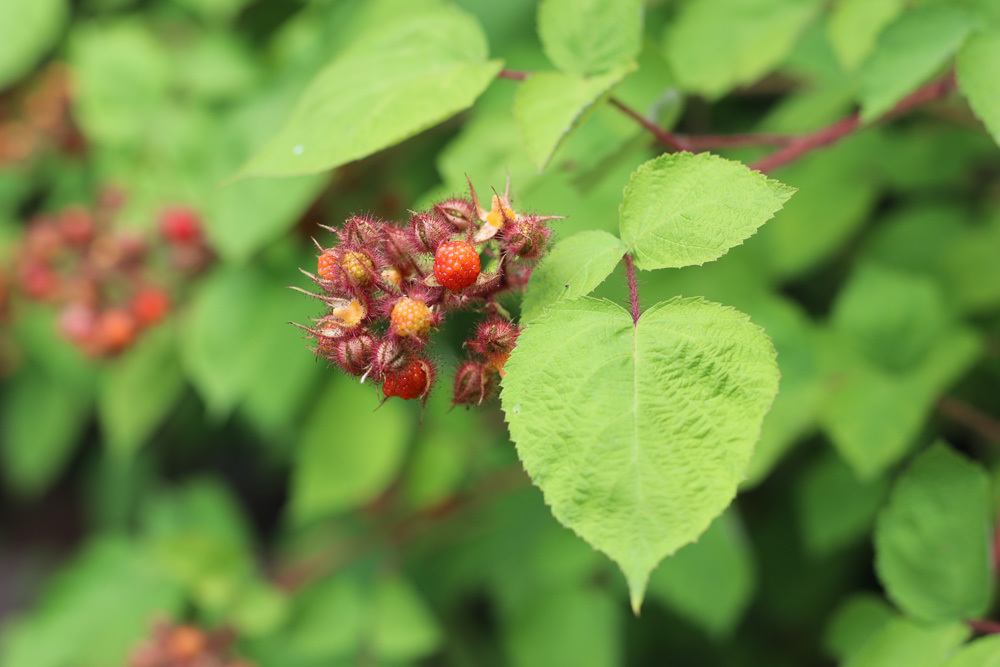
633	288
791	147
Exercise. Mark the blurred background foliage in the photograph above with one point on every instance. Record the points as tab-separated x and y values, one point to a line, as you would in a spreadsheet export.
216	474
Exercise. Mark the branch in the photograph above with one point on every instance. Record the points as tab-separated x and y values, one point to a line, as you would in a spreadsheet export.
840	129
973	419
791	147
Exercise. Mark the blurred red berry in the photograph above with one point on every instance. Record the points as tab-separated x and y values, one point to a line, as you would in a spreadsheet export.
116	329
150	305
412	381
77	322
180	225
456	265
76	225
38	280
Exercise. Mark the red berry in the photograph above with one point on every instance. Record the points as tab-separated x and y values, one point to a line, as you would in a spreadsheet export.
116	330
150	305
76	226
180	225
456	265
412	381
326	265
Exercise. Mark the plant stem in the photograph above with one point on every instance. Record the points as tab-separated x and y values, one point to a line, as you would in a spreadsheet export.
633	288
668	139
973	419
791	147
984	626
834	132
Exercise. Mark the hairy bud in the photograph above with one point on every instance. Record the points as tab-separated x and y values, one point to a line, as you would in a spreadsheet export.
430	230
459	212
474	383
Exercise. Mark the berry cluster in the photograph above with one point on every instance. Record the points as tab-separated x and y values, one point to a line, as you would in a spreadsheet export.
185	646
38	120
387	286
101	278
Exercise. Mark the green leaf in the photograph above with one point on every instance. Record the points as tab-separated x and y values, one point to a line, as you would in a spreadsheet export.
27	31
856	621
93	612
121	76
218	338
932	540
40	421
328	620
682	209
661	442
586	622
909	51
854	27
590	36
197	534
403	628
837	190
976	68
548	105
904	642
138	390
574	267
348	452
894	347
413	71
983	652
715	45
835	508
711	581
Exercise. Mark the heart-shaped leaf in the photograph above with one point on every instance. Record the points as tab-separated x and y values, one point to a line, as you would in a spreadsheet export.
638	435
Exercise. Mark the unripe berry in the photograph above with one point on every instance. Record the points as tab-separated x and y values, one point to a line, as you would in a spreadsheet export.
354	353
390	355
474	383
392	277
527	237
358	267
458	212
150	305
495	336
430	231
456	265
410	317
412	381
180	225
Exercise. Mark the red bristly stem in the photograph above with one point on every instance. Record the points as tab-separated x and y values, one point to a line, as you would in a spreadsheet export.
836	131
985	627
633	288
791	147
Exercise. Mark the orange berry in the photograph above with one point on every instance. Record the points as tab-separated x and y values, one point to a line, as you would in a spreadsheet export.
410	317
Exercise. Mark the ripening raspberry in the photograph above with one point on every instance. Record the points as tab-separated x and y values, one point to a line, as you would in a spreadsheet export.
456	265
326	265
412	381
150	305
411	317
358	266
180	225
116	329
